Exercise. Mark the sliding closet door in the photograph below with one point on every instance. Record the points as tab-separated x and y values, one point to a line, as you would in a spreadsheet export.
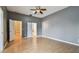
1	30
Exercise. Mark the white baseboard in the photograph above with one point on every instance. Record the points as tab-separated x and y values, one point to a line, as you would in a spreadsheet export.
61	40
28	37
39	36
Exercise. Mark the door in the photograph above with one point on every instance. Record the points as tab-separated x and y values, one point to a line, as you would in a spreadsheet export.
15	30
1	30
11	25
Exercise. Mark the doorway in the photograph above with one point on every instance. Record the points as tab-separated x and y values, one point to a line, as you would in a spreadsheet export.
34	29
31	29
15	30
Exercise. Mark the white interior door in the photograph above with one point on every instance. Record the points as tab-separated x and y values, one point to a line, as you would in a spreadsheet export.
11	25
1	30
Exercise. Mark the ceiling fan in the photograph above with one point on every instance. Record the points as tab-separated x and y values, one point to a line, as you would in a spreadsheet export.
38	9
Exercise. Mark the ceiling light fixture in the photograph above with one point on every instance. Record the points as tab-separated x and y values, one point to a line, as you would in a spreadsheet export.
38	10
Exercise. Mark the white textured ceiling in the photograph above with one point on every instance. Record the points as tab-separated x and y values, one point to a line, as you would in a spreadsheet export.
26	10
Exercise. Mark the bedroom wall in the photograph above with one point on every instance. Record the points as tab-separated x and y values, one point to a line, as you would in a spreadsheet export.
63	25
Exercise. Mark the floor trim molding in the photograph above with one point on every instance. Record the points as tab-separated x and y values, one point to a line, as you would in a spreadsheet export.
60	40
28	37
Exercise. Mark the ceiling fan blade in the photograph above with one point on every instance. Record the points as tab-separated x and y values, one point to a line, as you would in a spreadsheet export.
35	12
38	9
43	9
41	12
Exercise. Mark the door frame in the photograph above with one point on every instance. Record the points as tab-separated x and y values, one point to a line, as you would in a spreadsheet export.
31	27
14	22
20	26
2	41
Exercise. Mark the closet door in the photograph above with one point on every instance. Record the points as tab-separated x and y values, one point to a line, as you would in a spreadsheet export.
1	30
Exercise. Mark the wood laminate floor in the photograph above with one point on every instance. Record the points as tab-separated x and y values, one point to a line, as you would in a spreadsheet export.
40	45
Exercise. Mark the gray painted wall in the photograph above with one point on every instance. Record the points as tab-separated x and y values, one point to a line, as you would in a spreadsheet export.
25	19
63	25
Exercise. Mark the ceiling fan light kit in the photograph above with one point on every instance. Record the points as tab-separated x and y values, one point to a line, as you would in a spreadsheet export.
38	10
